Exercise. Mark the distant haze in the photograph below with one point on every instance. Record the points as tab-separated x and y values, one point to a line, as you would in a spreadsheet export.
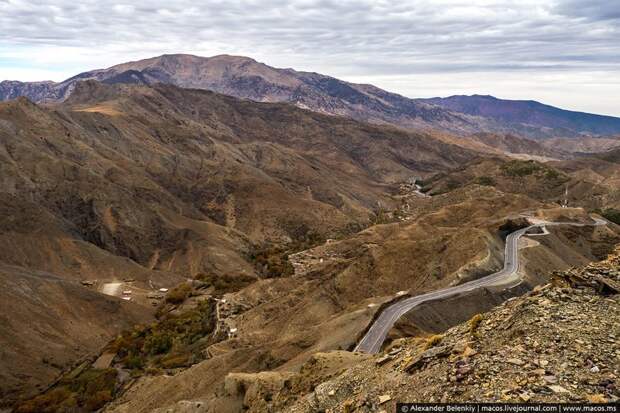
562	52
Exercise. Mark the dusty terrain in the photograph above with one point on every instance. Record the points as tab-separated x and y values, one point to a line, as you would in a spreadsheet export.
590	181
146	187
557	343
280	324
48	323
258	234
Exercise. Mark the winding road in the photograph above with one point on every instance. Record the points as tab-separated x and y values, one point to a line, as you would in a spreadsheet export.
374	337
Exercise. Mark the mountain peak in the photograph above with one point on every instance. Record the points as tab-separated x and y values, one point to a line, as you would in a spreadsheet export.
245	78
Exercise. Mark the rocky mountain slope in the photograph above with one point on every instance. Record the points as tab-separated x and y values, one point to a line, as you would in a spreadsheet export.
274	326
246	78
524	114
590	181
558	343
126	187
279	232
65	323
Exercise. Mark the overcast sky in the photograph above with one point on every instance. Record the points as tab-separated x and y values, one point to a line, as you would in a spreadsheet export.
562	52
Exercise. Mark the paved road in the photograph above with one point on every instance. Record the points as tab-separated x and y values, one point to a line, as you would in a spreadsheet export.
373	340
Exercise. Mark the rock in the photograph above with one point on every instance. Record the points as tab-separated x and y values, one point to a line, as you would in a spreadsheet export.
436	352
468	352
557	389
524	397
606	286
596	398
414	364
384	398
550	379
515	361
595	369
428	354
382	360
395	351
543	363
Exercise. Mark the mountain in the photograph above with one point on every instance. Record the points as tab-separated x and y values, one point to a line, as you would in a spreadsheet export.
36	91
530	117
125	187
555	344
279	232
246	78
66	322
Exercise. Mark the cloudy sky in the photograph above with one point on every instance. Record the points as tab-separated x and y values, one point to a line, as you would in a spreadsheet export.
562	52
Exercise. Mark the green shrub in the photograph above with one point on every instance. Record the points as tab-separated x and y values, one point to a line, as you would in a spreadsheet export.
612	215
175	360
157	343
485	180
172	337
272	262
517	168
139	350
552	174
48	402
89	391
226	283
520	168
98	400
179	293
134	362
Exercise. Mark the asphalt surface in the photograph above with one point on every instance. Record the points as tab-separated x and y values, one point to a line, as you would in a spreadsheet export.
374	337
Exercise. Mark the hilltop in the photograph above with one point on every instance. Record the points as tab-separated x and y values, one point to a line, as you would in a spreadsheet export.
246	78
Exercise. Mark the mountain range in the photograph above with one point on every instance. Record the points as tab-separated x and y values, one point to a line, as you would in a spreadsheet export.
246	78
150	185
167	244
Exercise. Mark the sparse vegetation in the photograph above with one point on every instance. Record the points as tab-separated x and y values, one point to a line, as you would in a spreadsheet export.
382	216
485	180
520	168
167	343
474	323
88	392
449	185
611	214
179	293
452	184
223	284
271	261
432	341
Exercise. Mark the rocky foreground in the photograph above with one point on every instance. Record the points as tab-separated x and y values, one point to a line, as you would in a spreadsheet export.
558	343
